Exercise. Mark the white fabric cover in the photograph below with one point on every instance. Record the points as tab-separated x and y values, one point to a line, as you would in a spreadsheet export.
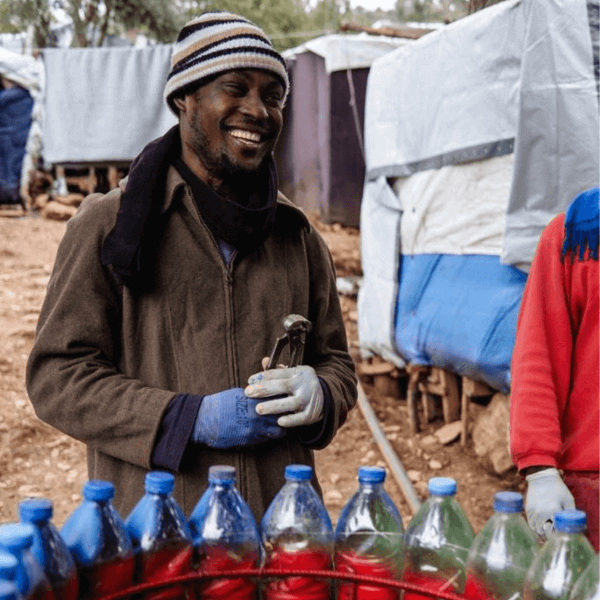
342	52
379	234
556	146
104	104
455	210
452	89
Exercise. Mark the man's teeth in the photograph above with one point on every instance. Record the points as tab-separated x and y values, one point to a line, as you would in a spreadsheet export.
245	135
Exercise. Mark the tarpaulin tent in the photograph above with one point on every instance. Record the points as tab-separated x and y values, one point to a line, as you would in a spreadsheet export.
320	155
113	98
20	115
476	136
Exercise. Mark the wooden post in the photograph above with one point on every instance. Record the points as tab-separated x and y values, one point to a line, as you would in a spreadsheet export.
470	389
413	394
450	397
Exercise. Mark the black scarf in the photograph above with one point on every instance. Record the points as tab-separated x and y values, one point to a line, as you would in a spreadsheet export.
129	246
244	226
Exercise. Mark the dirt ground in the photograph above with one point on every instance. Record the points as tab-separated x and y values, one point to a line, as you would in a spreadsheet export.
38	461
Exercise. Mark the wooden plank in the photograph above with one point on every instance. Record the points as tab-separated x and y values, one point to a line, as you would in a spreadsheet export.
450	397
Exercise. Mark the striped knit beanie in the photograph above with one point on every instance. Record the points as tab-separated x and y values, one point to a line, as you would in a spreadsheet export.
216	42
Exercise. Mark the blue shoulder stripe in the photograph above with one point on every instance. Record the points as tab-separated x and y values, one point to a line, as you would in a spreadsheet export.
582	225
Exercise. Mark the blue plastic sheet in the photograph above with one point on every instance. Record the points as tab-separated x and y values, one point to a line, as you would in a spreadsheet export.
15	120
459	313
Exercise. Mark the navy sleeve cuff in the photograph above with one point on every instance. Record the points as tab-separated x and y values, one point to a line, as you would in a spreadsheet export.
314	436
175	431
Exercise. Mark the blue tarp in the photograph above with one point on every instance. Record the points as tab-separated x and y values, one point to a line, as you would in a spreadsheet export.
459	313
15	120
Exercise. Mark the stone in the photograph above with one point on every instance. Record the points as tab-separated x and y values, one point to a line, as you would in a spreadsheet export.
435	465
448	433
430	440
69	199
490	436
57	211
414	475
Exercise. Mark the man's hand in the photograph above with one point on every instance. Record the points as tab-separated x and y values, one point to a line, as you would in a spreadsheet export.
229	419
546	495
302	395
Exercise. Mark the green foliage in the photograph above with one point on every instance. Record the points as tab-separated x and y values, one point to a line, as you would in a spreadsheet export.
94	19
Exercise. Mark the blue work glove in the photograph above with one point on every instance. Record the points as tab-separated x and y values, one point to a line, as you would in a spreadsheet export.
302	400
229	419
546	495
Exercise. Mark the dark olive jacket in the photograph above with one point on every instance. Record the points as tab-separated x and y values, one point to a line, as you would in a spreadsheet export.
107	359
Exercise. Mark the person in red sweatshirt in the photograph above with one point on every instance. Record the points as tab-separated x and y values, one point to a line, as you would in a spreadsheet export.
554	415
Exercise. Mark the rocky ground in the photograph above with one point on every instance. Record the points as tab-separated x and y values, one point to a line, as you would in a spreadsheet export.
36	460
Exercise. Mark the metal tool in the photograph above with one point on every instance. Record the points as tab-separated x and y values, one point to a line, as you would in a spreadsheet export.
296	327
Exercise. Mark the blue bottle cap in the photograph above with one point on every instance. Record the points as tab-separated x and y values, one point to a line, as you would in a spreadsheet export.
35	510
298	472
508	502
570	521
98	490
16	536
222	474
371	474
9	590
442	486
8	566
159	482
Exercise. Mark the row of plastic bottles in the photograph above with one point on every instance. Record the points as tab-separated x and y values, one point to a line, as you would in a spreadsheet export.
98	553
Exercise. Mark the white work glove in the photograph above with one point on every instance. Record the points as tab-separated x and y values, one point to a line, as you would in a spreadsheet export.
546	495
302	400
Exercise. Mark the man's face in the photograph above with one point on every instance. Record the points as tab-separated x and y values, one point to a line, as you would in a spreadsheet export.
232	123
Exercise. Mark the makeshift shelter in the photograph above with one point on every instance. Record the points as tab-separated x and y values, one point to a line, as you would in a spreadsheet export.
20	116
113	98
320	154
476	136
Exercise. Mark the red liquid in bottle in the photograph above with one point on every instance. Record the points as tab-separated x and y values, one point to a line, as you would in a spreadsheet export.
170	561
298	588
427	582
475	590
105	578
349	562
42	591
218	559
66	590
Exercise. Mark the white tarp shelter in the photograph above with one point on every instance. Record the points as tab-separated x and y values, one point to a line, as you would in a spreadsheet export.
104	104
476	135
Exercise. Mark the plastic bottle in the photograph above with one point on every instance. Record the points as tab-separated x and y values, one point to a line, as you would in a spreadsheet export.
297	534
437	541
501	553
17	539
160	536
49	548
368	538
561	560
99	543
9	590
8	566
225	537
587	586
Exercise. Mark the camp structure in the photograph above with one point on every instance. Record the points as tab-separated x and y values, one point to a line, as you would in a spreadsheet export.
320	153
20	116
476	136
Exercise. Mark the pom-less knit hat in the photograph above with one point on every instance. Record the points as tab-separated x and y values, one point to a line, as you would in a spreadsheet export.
217	42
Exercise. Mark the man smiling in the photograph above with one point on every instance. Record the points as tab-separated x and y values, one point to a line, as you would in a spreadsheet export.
169	291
